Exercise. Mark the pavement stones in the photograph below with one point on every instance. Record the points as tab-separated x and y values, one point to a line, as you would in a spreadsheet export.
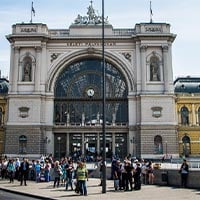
45	190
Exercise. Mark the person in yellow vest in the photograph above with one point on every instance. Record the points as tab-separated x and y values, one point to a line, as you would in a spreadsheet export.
82	177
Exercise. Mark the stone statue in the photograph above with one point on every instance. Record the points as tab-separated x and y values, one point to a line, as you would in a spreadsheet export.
27	72
154	71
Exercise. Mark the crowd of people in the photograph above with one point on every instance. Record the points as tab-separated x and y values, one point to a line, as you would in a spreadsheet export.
129	175
46	169
126	174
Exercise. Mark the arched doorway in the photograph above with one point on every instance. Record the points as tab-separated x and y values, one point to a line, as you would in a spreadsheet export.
78	105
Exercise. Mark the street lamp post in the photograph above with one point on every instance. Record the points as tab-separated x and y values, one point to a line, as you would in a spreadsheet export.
103	105
166	148
59	138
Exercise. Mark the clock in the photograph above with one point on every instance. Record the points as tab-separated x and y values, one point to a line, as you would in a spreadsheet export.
90	92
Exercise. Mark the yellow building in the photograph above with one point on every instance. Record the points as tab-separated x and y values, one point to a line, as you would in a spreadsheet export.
3	111
187	92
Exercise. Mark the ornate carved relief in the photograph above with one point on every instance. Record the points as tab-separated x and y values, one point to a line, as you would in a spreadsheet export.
156	111
127	55
54	56
23	112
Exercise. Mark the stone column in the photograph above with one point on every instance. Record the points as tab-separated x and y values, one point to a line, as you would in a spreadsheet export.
83	143
138	68
197	117
113	143
165	68
43	67
37	69
179	117
143	67
11	68
98	143
15	68
193	115
67	143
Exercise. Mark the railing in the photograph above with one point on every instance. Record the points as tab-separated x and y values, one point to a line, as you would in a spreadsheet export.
65	32
59	33
73	124
123	32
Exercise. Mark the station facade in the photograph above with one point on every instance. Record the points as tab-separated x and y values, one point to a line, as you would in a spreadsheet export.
55	89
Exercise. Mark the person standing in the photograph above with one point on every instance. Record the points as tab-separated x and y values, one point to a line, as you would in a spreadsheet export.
17	166
184	171
82	176
37	171
24	170
47	168
11	170
137	177
117	175
129	175
69	174
57	172
150	172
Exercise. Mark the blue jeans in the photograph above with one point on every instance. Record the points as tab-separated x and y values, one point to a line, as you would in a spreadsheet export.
69	182
83	187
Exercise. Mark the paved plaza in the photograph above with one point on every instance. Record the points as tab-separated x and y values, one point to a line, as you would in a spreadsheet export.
46	191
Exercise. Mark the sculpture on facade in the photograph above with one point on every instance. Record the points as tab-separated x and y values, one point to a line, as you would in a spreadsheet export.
154	69
27	72
91	18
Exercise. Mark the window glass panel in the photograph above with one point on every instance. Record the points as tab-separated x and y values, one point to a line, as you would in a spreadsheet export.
73	102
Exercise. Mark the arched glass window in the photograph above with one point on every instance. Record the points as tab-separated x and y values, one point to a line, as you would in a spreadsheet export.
22	144
158	144
184	116
27	69
199	116
186	146
78	94
154	69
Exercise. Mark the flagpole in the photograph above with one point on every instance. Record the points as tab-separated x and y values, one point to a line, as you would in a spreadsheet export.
31	12
151	13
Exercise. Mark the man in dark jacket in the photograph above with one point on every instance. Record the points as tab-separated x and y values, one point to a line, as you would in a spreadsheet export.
137	177
24	170
184	170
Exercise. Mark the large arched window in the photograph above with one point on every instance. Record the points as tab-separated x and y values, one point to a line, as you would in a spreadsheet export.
78	94
158	144
184	116
22	144
186	145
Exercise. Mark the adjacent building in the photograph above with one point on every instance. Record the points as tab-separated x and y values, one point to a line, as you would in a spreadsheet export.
4	85
187	90
55	90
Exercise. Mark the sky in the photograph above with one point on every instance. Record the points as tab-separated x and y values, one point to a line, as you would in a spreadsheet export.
182	15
